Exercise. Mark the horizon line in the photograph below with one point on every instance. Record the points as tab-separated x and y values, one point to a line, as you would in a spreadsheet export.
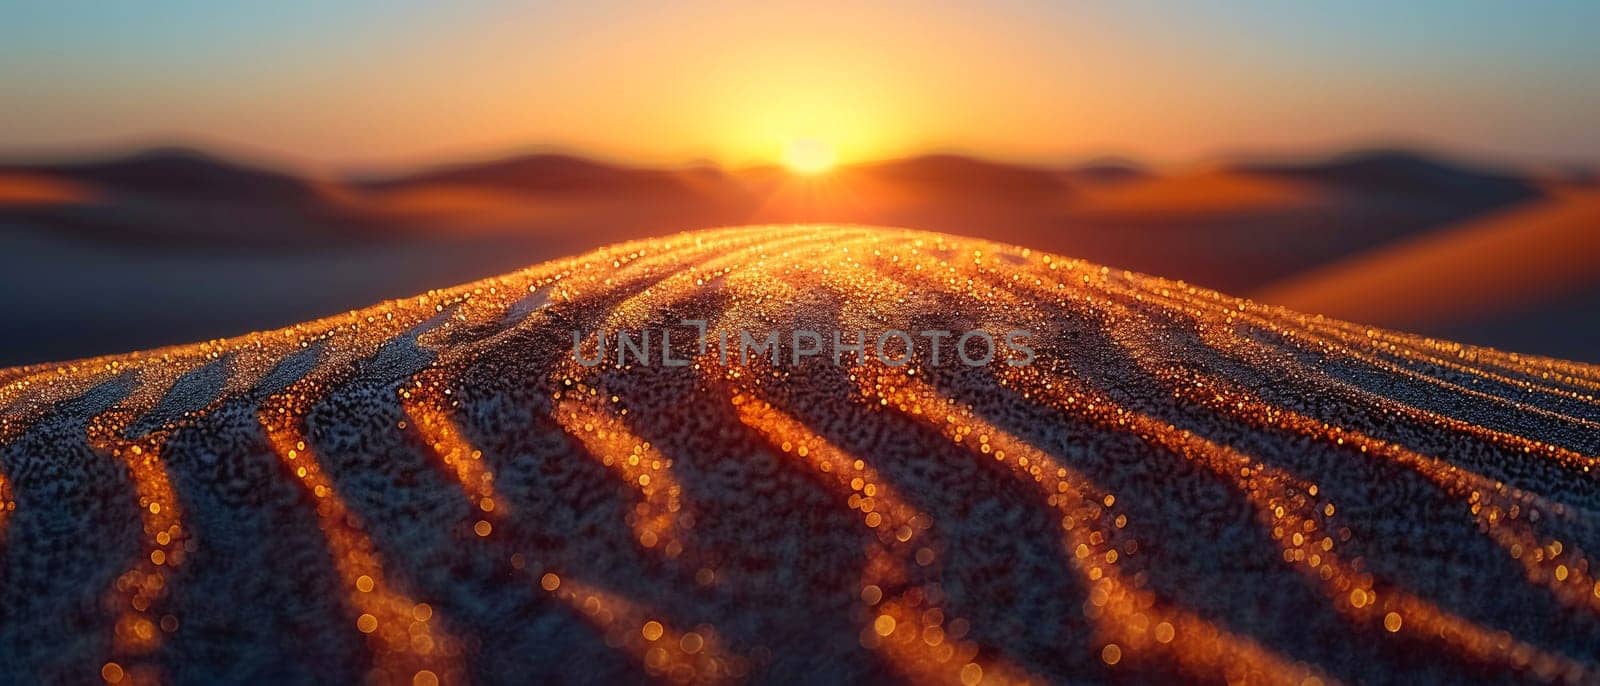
289	163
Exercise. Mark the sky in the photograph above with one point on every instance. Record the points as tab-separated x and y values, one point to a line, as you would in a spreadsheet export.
366	83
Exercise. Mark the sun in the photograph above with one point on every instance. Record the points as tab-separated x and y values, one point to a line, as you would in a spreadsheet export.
808	156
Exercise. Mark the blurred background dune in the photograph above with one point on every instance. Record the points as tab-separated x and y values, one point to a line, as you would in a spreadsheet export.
168	245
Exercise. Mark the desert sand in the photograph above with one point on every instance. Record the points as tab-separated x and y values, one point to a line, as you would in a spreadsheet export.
1182	486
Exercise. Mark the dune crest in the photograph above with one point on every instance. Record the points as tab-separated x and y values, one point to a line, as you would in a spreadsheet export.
1182	485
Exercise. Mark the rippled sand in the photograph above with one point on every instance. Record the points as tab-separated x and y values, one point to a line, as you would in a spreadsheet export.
1182	486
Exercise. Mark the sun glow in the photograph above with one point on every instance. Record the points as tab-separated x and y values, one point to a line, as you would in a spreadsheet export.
809	156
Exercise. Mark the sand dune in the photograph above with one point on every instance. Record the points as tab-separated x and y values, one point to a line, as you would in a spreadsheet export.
1181	486
1505	263
542	174
172	245
1406	173
183	172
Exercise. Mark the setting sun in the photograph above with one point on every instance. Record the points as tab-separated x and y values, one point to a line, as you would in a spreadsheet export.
809	156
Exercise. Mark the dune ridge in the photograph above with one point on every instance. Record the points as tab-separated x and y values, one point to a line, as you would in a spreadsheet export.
1184	485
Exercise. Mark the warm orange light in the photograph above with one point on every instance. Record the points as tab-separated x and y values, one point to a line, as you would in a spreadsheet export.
809	156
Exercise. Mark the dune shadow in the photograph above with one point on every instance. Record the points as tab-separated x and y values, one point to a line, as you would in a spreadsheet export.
780	544
1518	457
421	523
556	510
258	598
1436	551
1199	546
74	530
737	562
1569	424
1002	567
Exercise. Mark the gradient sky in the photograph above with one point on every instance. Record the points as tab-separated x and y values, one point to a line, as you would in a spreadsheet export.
371	83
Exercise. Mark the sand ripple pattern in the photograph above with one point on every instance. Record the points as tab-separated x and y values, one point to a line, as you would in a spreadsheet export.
1183	486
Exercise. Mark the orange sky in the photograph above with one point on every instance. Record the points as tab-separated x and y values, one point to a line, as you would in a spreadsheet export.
383	83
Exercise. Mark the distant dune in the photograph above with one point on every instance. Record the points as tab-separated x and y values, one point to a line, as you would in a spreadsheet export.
541	174
182	172
957	175
1181	486
180	201
172	244
1405	173
1504	265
